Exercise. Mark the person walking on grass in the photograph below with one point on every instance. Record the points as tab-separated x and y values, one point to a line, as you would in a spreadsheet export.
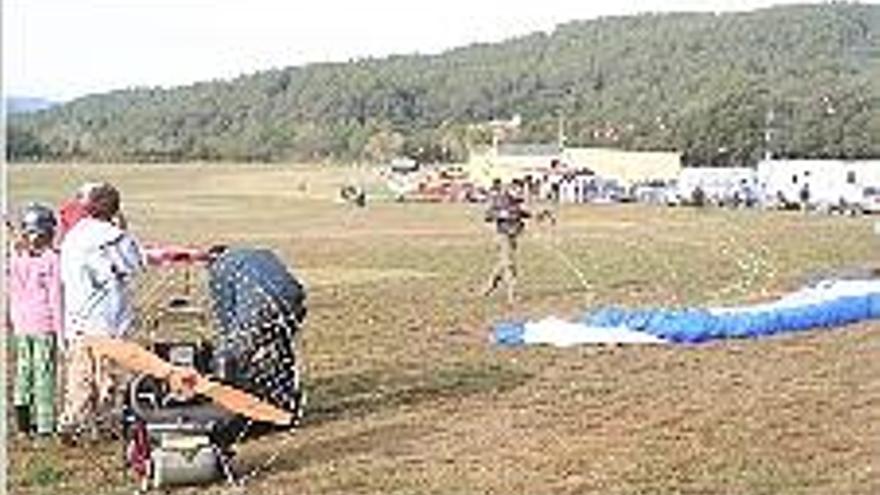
34	289
508	215
99	258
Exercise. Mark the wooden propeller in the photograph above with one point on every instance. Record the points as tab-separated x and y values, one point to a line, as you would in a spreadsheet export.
133	357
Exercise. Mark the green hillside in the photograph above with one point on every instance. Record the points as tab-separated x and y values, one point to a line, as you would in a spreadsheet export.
703	84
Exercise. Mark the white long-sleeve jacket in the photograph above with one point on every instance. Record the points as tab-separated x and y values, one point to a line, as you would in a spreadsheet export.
98	261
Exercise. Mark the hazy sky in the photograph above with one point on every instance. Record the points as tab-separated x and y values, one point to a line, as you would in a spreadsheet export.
61	49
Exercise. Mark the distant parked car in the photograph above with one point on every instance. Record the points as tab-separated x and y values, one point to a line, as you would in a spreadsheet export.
871	200
741	196
612	192
852	200
672	195
651	193
404	165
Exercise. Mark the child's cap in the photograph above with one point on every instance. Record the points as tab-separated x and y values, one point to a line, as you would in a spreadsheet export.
38	219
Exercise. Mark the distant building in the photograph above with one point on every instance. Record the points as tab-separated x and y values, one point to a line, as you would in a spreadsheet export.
626	167
719	185
828	183
514	155
509	161
529	150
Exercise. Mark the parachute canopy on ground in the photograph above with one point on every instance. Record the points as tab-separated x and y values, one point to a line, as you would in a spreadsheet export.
828	304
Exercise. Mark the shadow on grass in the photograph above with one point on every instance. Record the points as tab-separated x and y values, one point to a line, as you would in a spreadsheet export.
356	395
360	394
378	439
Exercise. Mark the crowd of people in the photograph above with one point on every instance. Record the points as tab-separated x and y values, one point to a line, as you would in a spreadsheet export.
68	280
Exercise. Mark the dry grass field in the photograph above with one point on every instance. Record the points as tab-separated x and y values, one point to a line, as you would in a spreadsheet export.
407	396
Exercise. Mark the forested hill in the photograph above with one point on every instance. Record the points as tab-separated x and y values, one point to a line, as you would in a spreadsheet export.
703	84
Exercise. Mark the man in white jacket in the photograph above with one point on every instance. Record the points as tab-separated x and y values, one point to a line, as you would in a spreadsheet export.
98	260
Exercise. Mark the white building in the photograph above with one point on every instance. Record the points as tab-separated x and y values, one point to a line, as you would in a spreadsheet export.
720	185
626	167
825	184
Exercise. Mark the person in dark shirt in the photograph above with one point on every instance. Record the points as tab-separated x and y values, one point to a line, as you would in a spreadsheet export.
508	215
805	196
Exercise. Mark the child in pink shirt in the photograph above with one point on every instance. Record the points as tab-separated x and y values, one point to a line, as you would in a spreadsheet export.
35	311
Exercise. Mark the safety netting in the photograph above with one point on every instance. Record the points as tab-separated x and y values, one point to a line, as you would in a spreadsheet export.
827	304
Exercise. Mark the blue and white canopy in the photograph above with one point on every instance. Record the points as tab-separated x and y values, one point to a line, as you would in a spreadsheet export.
828	304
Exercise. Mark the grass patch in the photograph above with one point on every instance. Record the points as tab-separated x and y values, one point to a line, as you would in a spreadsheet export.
42	471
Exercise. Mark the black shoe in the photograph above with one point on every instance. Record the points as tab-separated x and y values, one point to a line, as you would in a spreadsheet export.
68	435
67	439
23	419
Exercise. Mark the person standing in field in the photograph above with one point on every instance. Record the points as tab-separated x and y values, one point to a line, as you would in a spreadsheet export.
34	289
98	261
508	215
804	196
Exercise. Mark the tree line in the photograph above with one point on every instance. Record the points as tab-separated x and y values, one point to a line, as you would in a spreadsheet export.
712	86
